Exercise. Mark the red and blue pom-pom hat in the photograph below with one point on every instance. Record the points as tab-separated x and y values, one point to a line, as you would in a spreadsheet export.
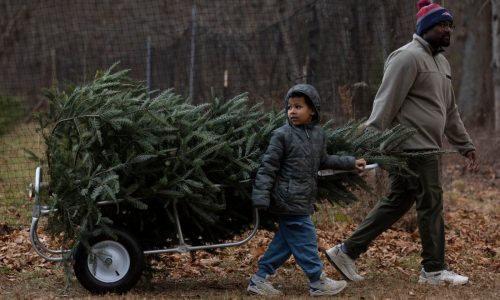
430	14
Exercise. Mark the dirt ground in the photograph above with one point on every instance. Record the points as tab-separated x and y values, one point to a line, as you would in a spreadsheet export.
383	285
391	266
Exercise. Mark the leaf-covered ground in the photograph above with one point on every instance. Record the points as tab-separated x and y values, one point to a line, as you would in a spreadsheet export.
391	265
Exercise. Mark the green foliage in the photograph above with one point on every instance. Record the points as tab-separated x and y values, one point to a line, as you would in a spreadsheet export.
375	147
12	111
111	141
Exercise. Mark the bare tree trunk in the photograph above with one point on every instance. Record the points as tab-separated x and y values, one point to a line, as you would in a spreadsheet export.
291	54
472	79
495	23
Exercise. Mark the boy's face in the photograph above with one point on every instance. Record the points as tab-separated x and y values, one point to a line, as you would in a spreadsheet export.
299	112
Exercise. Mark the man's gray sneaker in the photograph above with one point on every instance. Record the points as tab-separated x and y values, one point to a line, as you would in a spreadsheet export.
326	286
442	277
343	263
261	286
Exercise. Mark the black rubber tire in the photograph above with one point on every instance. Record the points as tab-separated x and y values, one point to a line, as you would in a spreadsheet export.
126	244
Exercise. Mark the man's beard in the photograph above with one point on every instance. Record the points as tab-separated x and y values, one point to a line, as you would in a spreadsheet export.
445	41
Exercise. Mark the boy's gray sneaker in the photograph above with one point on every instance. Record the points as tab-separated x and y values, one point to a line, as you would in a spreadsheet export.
442	277
261	286
326	286
343	263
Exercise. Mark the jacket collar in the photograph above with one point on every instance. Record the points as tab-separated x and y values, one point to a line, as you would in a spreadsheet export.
306	126
427	47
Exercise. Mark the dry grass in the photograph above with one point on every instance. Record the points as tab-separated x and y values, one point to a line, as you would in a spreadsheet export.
17	172
379	285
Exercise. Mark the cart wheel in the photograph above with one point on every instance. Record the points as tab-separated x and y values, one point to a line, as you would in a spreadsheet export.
110	265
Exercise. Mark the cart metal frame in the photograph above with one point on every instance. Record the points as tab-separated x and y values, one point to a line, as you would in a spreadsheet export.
45	252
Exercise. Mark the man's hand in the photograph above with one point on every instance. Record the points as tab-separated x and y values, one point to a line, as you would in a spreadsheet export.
472	161
360	164
261	207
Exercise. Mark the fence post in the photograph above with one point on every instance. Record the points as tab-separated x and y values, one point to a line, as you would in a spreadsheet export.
193	45
148	62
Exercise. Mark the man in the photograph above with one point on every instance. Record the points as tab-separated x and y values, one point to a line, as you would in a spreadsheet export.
416	91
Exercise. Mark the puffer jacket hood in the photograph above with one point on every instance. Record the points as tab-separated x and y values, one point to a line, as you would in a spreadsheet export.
309	91
286	181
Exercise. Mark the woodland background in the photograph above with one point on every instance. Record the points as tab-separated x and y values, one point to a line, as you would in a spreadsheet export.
233	46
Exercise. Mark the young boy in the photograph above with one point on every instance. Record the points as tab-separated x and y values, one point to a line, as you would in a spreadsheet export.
286	184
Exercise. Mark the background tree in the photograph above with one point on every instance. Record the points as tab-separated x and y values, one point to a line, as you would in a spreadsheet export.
495	25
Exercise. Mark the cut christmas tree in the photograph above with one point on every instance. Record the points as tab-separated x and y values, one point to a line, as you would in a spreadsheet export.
111	141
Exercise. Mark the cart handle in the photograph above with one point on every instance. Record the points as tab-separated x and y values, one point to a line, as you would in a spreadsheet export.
39	211
329	172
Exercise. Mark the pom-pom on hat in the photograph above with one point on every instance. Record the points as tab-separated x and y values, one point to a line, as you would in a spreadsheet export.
429	14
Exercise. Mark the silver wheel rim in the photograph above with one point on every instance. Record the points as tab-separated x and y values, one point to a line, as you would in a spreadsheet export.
109	261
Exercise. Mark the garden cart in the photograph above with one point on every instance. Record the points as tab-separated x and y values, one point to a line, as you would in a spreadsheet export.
114	261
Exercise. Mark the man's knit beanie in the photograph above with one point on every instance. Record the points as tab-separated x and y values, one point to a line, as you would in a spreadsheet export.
429	14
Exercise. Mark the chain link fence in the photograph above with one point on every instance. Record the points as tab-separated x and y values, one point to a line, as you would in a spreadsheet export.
199	48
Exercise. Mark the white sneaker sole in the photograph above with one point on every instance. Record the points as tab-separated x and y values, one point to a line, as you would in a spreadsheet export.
255	291
328	293
423	280
340	268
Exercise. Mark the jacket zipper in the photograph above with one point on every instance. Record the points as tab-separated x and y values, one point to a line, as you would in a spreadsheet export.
437	66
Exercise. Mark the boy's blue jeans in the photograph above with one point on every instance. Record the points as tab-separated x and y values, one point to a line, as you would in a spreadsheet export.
296	235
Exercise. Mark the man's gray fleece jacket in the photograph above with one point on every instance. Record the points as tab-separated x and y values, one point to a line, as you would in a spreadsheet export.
416	91
286	181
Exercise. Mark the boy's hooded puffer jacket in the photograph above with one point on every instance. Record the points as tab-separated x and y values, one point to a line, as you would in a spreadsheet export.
286	181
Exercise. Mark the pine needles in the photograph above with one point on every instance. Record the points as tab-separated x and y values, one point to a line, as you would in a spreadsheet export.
111	141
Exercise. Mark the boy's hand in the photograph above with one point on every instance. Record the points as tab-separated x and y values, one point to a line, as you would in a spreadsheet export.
261	207
360	164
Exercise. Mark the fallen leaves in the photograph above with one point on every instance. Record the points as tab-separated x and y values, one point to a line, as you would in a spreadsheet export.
16	253
472	247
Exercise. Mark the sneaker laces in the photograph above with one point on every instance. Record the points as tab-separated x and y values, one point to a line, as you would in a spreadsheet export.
323	279
264	285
